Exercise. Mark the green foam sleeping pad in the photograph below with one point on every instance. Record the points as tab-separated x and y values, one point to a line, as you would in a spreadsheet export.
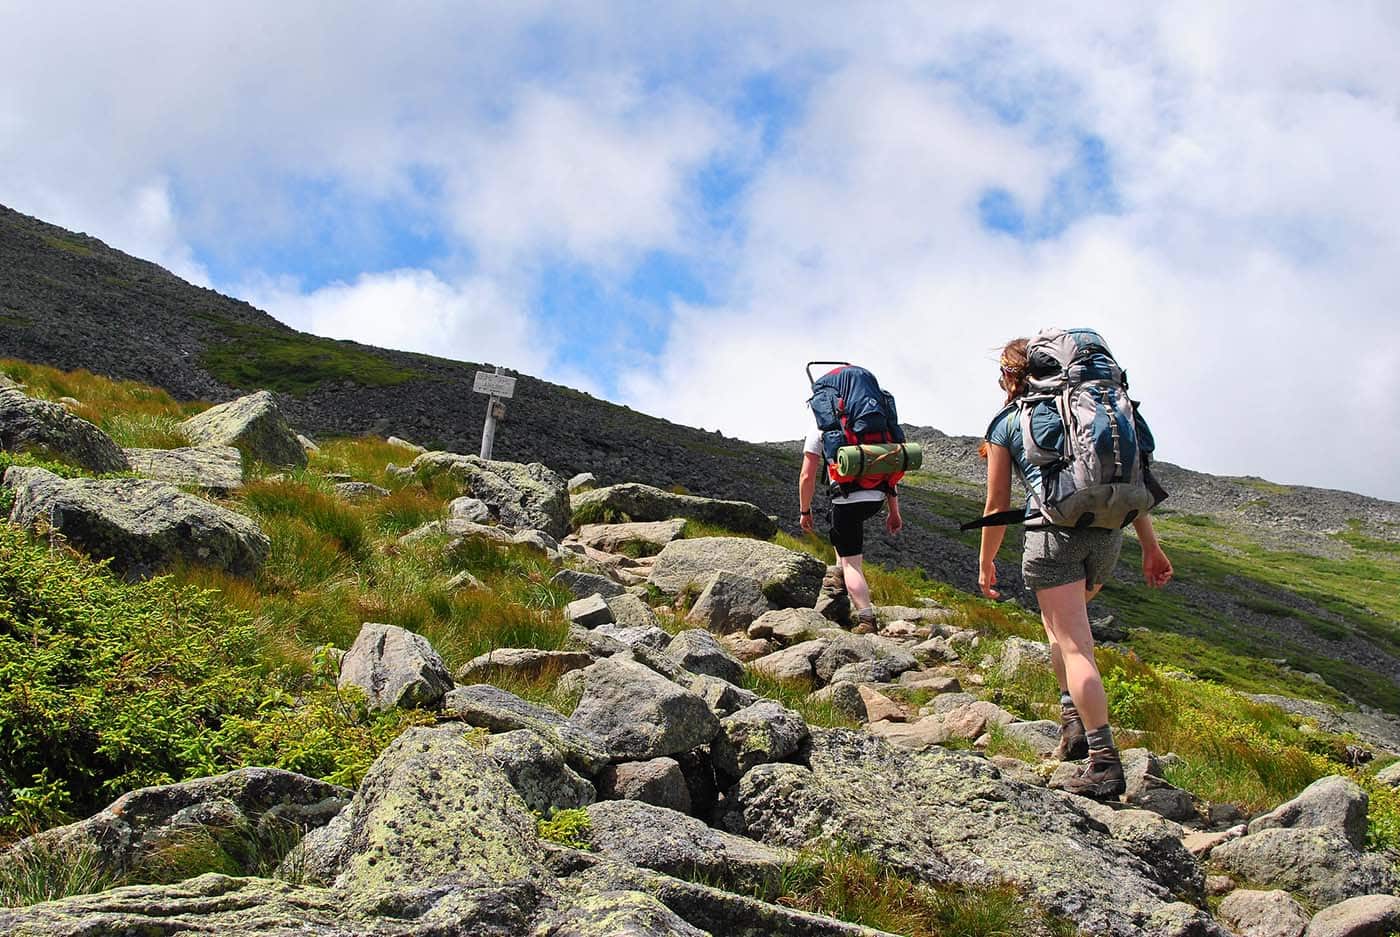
879	458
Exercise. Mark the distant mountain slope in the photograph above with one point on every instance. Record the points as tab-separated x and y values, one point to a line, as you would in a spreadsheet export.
1267	573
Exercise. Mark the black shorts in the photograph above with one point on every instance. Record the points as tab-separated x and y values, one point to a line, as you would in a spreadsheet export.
848	526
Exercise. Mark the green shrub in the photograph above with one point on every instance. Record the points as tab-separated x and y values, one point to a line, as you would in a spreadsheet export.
107	686
1384	815
325	733
1128	698
566	827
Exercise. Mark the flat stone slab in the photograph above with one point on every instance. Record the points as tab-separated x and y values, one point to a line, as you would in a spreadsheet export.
217	468
589	612
526	662
644	536
636	502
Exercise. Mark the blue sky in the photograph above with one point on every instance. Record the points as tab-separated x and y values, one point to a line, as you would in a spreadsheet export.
677	218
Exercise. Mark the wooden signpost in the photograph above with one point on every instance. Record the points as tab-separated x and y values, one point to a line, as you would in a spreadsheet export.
500	387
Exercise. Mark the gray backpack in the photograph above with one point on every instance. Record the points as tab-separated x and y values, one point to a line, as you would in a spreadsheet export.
1080	427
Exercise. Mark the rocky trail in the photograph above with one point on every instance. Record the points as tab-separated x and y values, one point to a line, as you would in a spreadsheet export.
662	792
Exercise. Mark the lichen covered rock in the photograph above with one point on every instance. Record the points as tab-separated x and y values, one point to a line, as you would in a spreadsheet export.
536	769
143	527
756	735
668	841
1317	862
634	502
433	805
947	817
31	425
522	496
216	468
729	602
264	805
395	667
789	578
639	714
253	424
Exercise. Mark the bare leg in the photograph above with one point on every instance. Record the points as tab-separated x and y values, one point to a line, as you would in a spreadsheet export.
1057	658
853	571
1067	621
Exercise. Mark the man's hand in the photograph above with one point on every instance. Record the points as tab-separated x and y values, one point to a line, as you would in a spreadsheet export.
1156	568
987	580
805	522
894	523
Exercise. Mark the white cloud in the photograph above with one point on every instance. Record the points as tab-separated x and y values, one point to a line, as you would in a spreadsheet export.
412	310
594	176
1247	279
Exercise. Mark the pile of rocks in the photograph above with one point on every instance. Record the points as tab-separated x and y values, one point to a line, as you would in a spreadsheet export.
684	773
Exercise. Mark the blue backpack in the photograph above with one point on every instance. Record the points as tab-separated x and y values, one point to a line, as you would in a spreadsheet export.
850	408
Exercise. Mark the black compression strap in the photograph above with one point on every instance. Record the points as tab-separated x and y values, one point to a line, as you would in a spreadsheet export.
1000	519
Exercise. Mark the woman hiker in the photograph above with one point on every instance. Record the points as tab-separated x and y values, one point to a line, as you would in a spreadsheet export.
1065	567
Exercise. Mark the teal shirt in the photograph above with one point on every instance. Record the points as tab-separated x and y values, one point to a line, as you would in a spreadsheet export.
1005	430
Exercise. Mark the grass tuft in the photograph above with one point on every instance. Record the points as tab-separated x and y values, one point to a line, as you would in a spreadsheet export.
41	870
794	695
853	887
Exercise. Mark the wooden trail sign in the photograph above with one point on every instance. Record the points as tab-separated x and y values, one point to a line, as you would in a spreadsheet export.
497	384
500	387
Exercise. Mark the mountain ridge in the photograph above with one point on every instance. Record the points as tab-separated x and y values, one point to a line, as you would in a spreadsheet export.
1243	546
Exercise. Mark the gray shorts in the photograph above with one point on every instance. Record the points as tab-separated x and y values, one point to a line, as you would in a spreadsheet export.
1055	556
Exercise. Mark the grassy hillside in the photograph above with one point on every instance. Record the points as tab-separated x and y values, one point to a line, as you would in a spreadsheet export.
107	685
1274	582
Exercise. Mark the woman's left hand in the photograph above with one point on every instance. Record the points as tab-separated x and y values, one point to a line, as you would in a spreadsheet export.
1156	568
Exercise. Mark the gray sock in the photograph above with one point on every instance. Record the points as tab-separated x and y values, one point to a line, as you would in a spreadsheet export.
1066	701
1100	739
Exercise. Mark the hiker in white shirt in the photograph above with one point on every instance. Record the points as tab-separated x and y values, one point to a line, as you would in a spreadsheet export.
849	512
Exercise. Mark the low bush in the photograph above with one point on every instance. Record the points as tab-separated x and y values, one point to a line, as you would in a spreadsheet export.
106	686
259	357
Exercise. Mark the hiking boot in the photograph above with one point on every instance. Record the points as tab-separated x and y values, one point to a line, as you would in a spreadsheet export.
1073	744
1101	778
865	621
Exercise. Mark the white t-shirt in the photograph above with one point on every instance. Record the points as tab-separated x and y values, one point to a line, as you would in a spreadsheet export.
814	446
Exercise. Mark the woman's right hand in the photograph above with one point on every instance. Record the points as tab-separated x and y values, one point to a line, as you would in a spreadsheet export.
987	580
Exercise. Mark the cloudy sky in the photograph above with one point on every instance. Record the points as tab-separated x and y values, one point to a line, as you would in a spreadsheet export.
676	205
